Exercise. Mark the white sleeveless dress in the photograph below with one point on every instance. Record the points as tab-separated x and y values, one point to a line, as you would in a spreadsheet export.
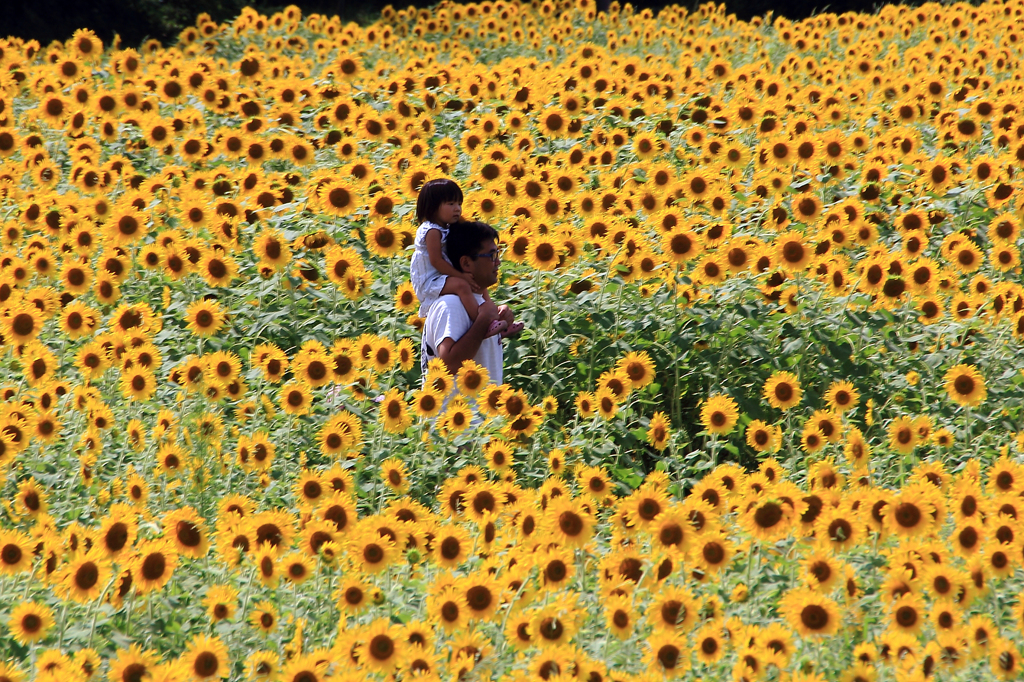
427	282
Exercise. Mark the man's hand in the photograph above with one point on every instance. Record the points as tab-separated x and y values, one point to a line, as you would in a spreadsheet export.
486	309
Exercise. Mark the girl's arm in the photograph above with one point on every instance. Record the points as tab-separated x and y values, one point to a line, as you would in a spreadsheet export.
433	242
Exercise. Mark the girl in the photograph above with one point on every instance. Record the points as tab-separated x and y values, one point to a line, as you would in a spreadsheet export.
438	206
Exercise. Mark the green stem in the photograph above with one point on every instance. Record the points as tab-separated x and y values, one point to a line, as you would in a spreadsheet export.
95	610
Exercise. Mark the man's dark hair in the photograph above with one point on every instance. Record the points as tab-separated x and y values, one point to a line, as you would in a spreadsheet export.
432	195
465	238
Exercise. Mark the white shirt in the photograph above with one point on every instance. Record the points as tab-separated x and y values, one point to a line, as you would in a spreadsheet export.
448	319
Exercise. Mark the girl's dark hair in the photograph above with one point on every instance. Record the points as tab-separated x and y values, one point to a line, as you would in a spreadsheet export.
465	238
432	195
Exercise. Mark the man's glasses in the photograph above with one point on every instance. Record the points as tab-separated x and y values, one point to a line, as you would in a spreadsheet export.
493	254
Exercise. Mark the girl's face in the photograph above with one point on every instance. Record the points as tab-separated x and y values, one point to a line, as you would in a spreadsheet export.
449	212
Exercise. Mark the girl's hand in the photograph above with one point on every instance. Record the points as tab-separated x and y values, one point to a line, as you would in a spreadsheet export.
474	287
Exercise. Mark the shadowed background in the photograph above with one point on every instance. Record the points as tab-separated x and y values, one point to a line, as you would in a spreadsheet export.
137	20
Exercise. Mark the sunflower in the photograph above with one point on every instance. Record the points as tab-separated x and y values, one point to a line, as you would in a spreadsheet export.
85	577
517	630
339	510
842	396
605	403
220	601
15	552
499	455
217	268
118	531
967	257
395	414
821	571
337	198
392	472
646	146
22	323
568	523
371	551
452	545
902	435
1004	257
680	246
1005	659
312	367
138	384
31	499
405	298
840	528
448	608
38	364
354	595
153	564
382	646
810	613
272	248
125	226
206	658
78	320
381	239
769	518
711	552
709	644
912	511
309	489
341	434
30	622
719	414
175	264
673	609
555	568
296	398
782	390
667	654
264	666
133	662
763	437
806	207
711	269
75	277
617	382
205	317
965	385
184	527
264	558
303	668
272	360
297	567
792	252
552	627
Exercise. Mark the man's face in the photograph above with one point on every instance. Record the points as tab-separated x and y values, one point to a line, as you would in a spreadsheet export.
483	265
449	212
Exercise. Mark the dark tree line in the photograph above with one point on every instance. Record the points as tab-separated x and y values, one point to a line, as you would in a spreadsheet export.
136	20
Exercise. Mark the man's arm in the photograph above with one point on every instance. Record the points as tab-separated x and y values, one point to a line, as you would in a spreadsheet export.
454	353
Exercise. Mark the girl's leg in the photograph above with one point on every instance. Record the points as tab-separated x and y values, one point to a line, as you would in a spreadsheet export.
460	288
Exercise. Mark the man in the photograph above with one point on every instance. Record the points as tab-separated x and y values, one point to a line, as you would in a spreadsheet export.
449	333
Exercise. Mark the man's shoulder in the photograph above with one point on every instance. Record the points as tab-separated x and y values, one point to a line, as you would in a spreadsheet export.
446	305
446	315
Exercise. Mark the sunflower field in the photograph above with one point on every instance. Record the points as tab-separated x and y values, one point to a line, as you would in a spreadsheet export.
766	420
